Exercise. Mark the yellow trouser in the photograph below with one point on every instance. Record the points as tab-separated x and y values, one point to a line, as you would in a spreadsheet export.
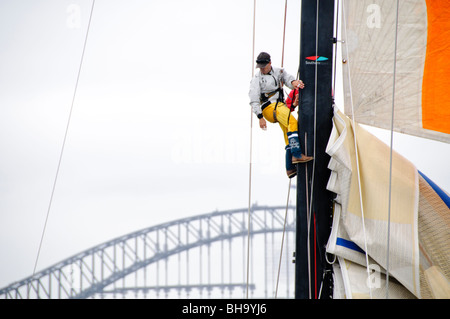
287	121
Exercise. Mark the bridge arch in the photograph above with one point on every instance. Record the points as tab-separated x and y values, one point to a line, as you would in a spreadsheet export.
105	270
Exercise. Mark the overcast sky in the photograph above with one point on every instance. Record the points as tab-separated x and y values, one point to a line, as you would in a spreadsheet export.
160	128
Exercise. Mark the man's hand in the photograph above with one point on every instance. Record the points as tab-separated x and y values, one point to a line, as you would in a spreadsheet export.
298	84
295	103
262	123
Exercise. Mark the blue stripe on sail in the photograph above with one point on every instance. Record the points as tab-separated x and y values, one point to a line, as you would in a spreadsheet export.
348	244
437	189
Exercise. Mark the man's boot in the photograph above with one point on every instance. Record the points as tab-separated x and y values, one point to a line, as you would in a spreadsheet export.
294	144
302	159
291	169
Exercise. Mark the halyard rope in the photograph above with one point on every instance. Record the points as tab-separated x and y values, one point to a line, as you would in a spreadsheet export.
64	140
357	157
250	161
390	155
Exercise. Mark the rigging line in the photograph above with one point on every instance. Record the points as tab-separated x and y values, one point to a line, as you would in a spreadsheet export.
306	166
333	97
335	51
390	155
300	46
64	140
357	156
287	204
308	216
282	239
282	242
284	33
314	145
251	151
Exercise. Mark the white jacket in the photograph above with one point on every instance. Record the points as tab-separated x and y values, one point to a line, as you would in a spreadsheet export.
266	83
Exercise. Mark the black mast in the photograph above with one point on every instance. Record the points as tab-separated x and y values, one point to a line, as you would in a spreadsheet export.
313	275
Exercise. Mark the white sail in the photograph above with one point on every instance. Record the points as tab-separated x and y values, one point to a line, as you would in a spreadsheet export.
378	198
363	199
419	219
417	52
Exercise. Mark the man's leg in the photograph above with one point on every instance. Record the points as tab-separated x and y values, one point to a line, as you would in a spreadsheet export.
291	169
287	120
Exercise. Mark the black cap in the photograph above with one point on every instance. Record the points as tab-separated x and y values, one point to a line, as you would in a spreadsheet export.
262	59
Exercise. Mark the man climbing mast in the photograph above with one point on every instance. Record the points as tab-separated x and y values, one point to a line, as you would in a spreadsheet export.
267	102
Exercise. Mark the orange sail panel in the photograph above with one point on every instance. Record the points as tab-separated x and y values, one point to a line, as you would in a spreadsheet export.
435	89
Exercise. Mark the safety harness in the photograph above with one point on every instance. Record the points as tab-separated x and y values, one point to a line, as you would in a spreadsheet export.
264	97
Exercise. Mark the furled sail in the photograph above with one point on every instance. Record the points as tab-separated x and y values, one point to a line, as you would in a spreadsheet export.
388	216
417	255
416	50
